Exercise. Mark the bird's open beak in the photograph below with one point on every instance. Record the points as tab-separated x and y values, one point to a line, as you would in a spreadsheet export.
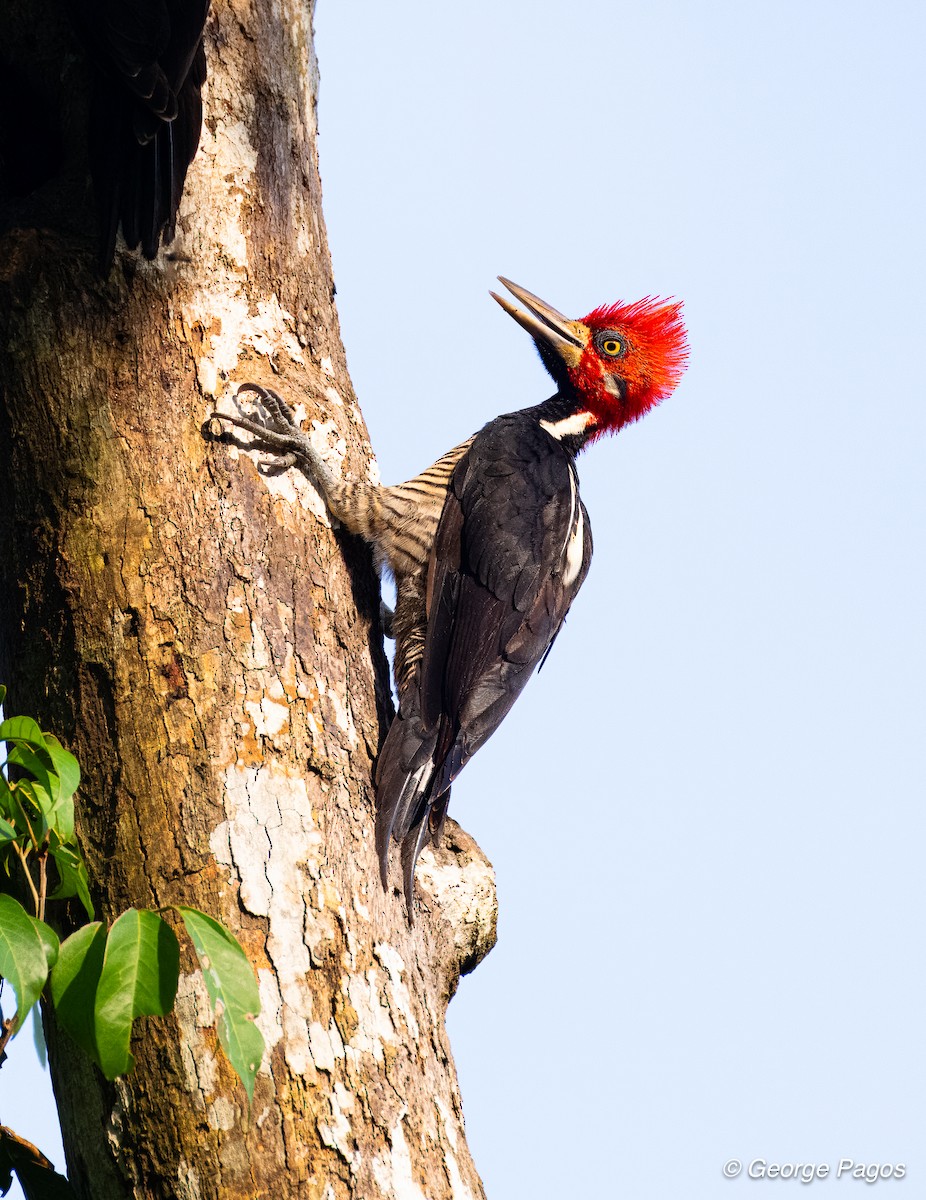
545	324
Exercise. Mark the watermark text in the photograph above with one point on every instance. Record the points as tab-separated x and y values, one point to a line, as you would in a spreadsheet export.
846	1168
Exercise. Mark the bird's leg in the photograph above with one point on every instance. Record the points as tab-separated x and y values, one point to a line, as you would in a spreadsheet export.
280	435
355	504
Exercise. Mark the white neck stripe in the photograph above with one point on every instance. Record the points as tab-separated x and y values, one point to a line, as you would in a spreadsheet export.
568	426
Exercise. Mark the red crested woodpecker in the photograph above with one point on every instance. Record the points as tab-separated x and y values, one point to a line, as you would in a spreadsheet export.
488	546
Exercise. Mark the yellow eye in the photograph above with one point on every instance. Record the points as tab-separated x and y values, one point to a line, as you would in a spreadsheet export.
612	346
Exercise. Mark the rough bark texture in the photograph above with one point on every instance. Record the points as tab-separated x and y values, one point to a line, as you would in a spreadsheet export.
210	648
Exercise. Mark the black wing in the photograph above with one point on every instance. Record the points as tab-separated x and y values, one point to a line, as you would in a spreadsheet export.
146	113
512	549
500	581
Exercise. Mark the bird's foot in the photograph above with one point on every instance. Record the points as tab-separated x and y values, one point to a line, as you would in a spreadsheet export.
273	427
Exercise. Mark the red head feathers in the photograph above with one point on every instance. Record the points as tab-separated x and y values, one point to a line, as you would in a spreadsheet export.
616	363
634	356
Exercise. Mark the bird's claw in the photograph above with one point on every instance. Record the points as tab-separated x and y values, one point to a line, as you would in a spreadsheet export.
278	434
281	415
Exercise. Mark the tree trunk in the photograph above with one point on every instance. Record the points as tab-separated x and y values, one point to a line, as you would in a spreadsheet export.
210	648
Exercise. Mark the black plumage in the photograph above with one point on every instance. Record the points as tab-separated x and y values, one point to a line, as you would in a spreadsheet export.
146	112
503	571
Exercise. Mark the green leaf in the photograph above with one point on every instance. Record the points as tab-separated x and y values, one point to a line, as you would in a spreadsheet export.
22	729
28	950
50	940
40	798
7	832
24	756
25	822
232	988
52	775
72	874
38	1036
61	818
141	968
65	764
74	981
7	804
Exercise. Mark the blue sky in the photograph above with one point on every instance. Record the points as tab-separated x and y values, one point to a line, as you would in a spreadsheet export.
707	812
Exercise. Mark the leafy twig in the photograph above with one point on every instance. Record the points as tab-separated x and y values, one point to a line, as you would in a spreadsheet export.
25	865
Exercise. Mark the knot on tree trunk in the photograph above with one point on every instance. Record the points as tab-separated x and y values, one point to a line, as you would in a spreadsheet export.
459	882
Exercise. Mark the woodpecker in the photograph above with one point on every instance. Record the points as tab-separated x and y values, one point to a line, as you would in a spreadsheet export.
146	112
488	547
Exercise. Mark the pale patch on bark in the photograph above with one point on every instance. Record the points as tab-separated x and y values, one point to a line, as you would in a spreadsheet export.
339	711
194	1013
187	1182
222	1114
375	1029
114	1125
332	453
458	1187
326	1045
464	889
394	1174
305	242
225	153
338	1132
228	328
273	331
392	961
269	1019
220	310
271	714
269	838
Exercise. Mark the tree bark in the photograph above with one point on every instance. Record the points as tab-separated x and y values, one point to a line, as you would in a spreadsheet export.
210	648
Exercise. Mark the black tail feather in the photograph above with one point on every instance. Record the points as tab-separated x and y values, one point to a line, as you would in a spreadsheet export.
412	844
413	776
404	775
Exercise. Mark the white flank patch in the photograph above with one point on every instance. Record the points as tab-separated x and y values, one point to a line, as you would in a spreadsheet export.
575	551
